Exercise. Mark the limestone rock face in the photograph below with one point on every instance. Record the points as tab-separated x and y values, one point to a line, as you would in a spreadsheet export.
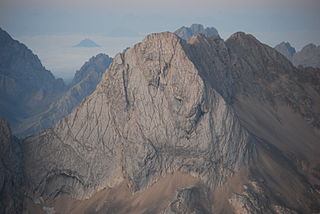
236	115
187	32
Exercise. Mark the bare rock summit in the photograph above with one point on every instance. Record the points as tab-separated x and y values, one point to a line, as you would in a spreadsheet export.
187	32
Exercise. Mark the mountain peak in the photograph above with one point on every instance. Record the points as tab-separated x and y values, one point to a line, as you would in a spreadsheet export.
308	56
286	50
187	32
87	43
309	46
242	36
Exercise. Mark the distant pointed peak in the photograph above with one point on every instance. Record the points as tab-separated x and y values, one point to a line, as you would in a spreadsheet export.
87	43
286	49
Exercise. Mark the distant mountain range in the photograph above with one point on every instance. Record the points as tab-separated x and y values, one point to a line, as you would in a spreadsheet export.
32	99
187	32
308	56
87	43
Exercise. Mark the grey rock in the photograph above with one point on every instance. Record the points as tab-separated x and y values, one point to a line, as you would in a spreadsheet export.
194	200
286	50
187	32
309	56
254	200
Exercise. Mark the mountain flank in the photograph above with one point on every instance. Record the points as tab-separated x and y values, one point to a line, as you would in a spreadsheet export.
32	99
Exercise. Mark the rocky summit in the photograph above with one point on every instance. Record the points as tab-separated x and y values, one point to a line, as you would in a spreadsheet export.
308	56
176	126
286	50
187	32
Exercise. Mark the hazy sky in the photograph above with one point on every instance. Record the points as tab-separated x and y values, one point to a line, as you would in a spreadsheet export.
47	27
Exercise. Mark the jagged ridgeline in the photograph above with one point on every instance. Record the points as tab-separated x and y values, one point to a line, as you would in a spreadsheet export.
176	126
308	56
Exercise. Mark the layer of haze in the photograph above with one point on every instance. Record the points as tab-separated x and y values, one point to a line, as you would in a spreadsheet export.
51	28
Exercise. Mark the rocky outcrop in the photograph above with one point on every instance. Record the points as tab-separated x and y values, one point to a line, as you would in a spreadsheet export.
235	115
187	32
194	200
